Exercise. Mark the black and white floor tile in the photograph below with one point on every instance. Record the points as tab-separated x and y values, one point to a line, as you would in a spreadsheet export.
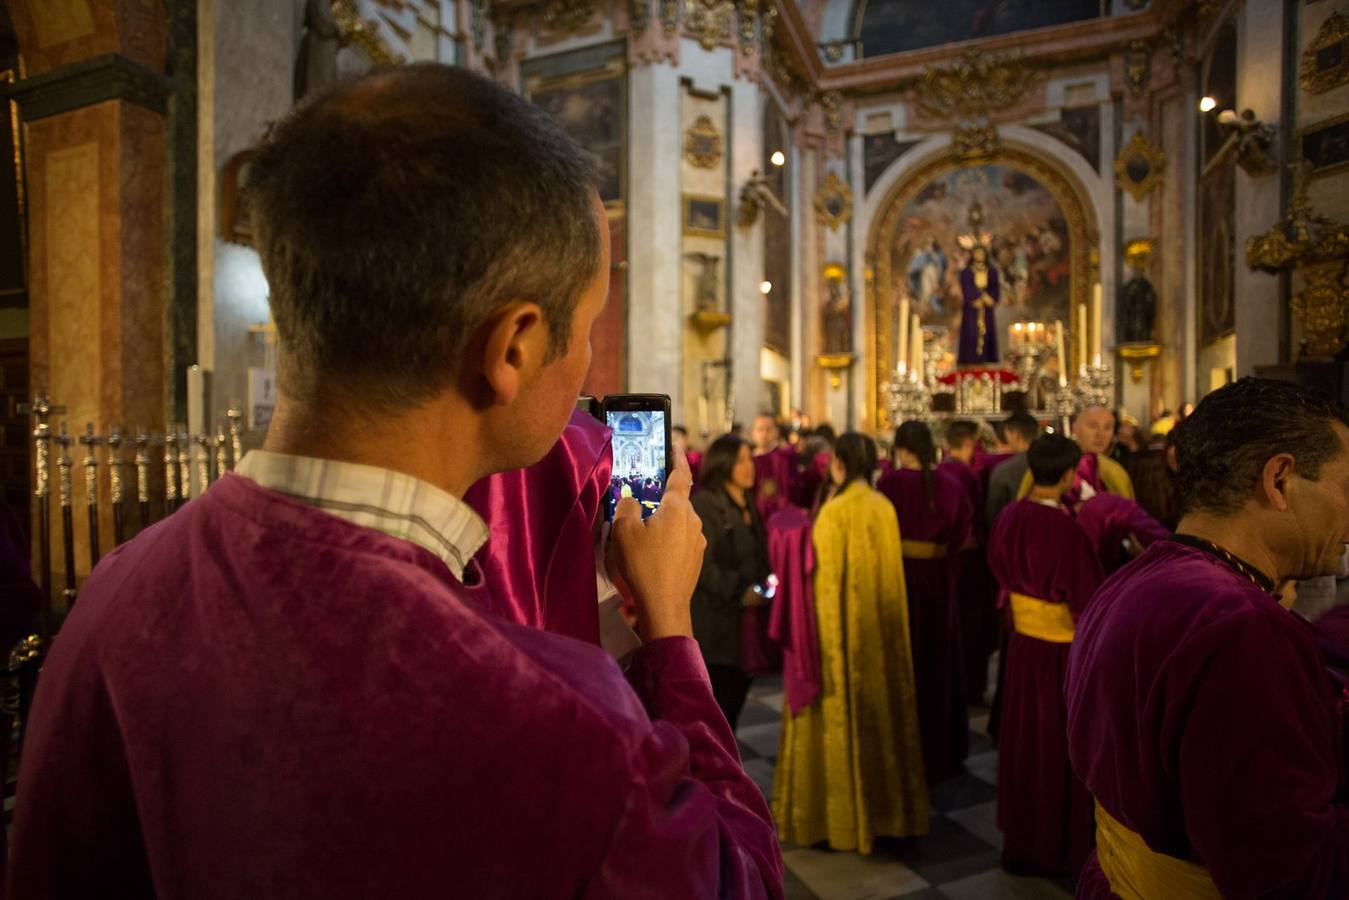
957	859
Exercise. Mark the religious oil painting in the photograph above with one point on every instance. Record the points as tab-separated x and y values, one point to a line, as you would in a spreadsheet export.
894	26
1079	128
703	216
1217	248
1326	145
590	107
988	219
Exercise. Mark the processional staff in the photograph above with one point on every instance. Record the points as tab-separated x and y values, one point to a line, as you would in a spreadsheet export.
143	477
203	444
221	450
235	415
115	463
42	439
90	441
64	465
184	473
170	471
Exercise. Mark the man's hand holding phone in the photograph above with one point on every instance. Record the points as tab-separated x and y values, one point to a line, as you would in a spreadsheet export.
656	561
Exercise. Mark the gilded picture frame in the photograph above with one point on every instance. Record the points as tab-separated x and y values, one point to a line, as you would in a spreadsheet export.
1325	62
1140	166
833	202
702	143
704	216
1325	145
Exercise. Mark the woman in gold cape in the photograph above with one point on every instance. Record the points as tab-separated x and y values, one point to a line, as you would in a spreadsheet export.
851	764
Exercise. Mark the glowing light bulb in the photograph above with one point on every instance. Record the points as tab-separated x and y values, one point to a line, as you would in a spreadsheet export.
778	158
765	287
1208	104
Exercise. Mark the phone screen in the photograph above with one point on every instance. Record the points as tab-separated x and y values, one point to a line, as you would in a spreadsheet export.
639	458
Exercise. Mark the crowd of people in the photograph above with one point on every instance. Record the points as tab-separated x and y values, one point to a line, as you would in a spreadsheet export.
371	661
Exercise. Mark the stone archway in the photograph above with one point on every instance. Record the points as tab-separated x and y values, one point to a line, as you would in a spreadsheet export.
1071	196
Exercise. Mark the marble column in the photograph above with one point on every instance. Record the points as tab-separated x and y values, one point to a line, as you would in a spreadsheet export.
93	105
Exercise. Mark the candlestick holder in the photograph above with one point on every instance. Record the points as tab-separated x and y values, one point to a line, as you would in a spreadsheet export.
910	398
1096	385
1065	404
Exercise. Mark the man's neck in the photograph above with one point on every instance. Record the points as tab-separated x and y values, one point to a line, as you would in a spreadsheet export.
1236	537
415	443
1041	494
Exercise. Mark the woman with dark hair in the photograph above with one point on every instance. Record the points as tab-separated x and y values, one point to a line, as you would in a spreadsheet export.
735	561
935	516
851	766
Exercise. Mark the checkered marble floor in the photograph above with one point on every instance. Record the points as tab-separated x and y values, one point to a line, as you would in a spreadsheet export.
957	859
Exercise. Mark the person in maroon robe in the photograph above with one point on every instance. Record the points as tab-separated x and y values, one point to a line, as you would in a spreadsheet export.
979	629
1200	713
775	471
1048	571
935	517
294	686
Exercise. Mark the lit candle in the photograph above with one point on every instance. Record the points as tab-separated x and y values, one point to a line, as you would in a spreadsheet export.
903	333
1018	334
1063	365
1096	324
916	362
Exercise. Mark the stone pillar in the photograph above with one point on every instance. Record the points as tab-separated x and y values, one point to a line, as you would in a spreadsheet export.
93	106
655	328
1260	47
747	254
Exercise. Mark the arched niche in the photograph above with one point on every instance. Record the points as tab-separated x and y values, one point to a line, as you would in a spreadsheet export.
890	243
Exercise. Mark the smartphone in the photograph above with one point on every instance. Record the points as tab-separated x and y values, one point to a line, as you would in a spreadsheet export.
641	449
590	406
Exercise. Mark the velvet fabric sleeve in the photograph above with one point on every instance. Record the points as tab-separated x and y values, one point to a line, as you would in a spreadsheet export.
1255	760
691	813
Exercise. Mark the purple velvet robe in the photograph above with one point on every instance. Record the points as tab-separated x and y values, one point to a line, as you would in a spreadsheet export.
1200	716
1108	520
969	320
791	624
775	480
542	521
1044	810
977	589
254	698
934	613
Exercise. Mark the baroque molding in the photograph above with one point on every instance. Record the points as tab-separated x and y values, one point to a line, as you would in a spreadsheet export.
90	81
974	86
355	31
1139	166
1323	68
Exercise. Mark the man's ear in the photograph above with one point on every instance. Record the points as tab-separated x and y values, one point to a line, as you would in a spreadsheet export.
515	342
1274	480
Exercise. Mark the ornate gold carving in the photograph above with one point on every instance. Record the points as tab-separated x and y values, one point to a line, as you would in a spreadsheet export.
710	21
1138	251
568	15
1323	65
669	15
708	321
702	143
1313	244
1139	167
639	14
833	202
835	364
974	142
974	86
1137	66
353	30
749	17
831	102
1136	356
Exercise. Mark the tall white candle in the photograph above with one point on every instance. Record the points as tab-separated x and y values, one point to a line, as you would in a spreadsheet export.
1096	324
1063	364
903	334
916	355
1080	339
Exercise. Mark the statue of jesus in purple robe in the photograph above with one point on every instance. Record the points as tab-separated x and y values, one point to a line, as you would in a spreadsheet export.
980	290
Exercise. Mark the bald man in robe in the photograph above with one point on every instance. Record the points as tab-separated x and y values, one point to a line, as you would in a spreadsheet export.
1200	714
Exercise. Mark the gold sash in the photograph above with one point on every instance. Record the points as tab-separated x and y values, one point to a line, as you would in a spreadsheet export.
1038	618
922	550
1137	872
